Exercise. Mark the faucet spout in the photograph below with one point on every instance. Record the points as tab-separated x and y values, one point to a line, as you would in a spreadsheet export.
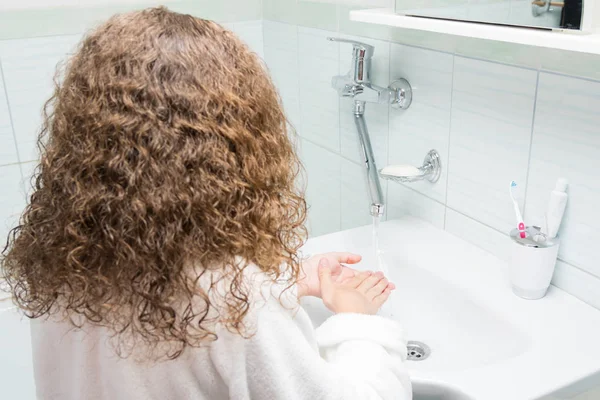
357	84
377	207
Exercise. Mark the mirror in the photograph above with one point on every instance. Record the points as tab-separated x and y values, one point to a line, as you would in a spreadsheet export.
548	14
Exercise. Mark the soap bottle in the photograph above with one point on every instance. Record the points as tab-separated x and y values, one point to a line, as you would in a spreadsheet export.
556	207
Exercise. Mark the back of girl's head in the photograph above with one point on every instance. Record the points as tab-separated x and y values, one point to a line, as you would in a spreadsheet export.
165	148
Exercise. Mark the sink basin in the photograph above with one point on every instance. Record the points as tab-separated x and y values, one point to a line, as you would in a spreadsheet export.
455	298
435	391
461	333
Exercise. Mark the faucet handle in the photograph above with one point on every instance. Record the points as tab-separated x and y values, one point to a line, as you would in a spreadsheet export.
360	49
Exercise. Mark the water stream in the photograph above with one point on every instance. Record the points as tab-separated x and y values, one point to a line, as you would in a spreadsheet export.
380	265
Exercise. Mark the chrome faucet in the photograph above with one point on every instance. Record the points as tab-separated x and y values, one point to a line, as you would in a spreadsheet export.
357	82
357	85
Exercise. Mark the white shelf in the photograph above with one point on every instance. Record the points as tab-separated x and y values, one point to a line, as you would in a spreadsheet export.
562	40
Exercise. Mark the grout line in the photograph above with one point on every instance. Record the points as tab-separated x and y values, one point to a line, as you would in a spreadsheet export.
18	163
339	100
475	220
496	62
10	117
504	233
579	268
535	98
42	36
12	126
565	75
339	154
387	155
421	193
449	142
297	56
339	120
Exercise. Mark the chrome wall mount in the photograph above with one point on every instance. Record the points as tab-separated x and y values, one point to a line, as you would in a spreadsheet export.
431	170
401	94
357	85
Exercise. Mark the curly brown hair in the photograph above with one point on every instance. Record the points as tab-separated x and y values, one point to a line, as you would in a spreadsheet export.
165	154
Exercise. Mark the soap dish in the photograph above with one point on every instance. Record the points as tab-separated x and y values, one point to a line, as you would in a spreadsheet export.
431	170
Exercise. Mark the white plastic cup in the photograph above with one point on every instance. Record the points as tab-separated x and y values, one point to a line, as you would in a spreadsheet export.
532	263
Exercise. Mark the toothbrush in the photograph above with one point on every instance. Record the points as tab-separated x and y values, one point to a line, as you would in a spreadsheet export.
520	223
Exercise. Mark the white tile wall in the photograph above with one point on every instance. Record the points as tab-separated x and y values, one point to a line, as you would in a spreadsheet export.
27	170
251	32
8	149
281	56
323	193
566	142
319	104
473	231
426	124
29	66
12	199
353	196
32	4
577	281
406	201
492	114
25	4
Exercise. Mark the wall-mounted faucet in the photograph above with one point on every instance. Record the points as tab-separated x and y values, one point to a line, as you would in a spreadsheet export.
357	85
357	82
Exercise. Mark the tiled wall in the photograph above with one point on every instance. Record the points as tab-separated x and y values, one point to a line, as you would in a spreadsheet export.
28	4
491	123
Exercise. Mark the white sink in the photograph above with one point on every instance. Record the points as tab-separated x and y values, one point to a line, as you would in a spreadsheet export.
435	391
485	342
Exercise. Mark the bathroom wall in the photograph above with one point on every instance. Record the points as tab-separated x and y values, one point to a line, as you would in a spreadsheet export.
31	4
32	42
495	112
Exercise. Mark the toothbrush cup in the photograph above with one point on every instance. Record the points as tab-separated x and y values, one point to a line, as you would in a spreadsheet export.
532	262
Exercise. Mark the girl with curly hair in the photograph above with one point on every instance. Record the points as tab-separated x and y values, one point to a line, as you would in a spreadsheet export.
158	254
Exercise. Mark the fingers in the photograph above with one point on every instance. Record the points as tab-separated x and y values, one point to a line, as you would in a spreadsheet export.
336	270
378	301
377	289
357	279
325	277
346	258
370	282
345	274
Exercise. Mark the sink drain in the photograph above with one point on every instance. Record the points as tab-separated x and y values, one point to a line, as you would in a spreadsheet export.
417	351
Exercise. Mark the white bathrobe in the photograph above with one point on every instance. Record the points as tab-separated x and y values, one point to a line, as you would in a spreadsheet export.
350	356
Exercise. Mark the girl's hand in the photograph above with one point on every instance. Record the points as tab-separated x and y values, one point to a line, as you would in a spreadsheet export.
363	293
308	284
